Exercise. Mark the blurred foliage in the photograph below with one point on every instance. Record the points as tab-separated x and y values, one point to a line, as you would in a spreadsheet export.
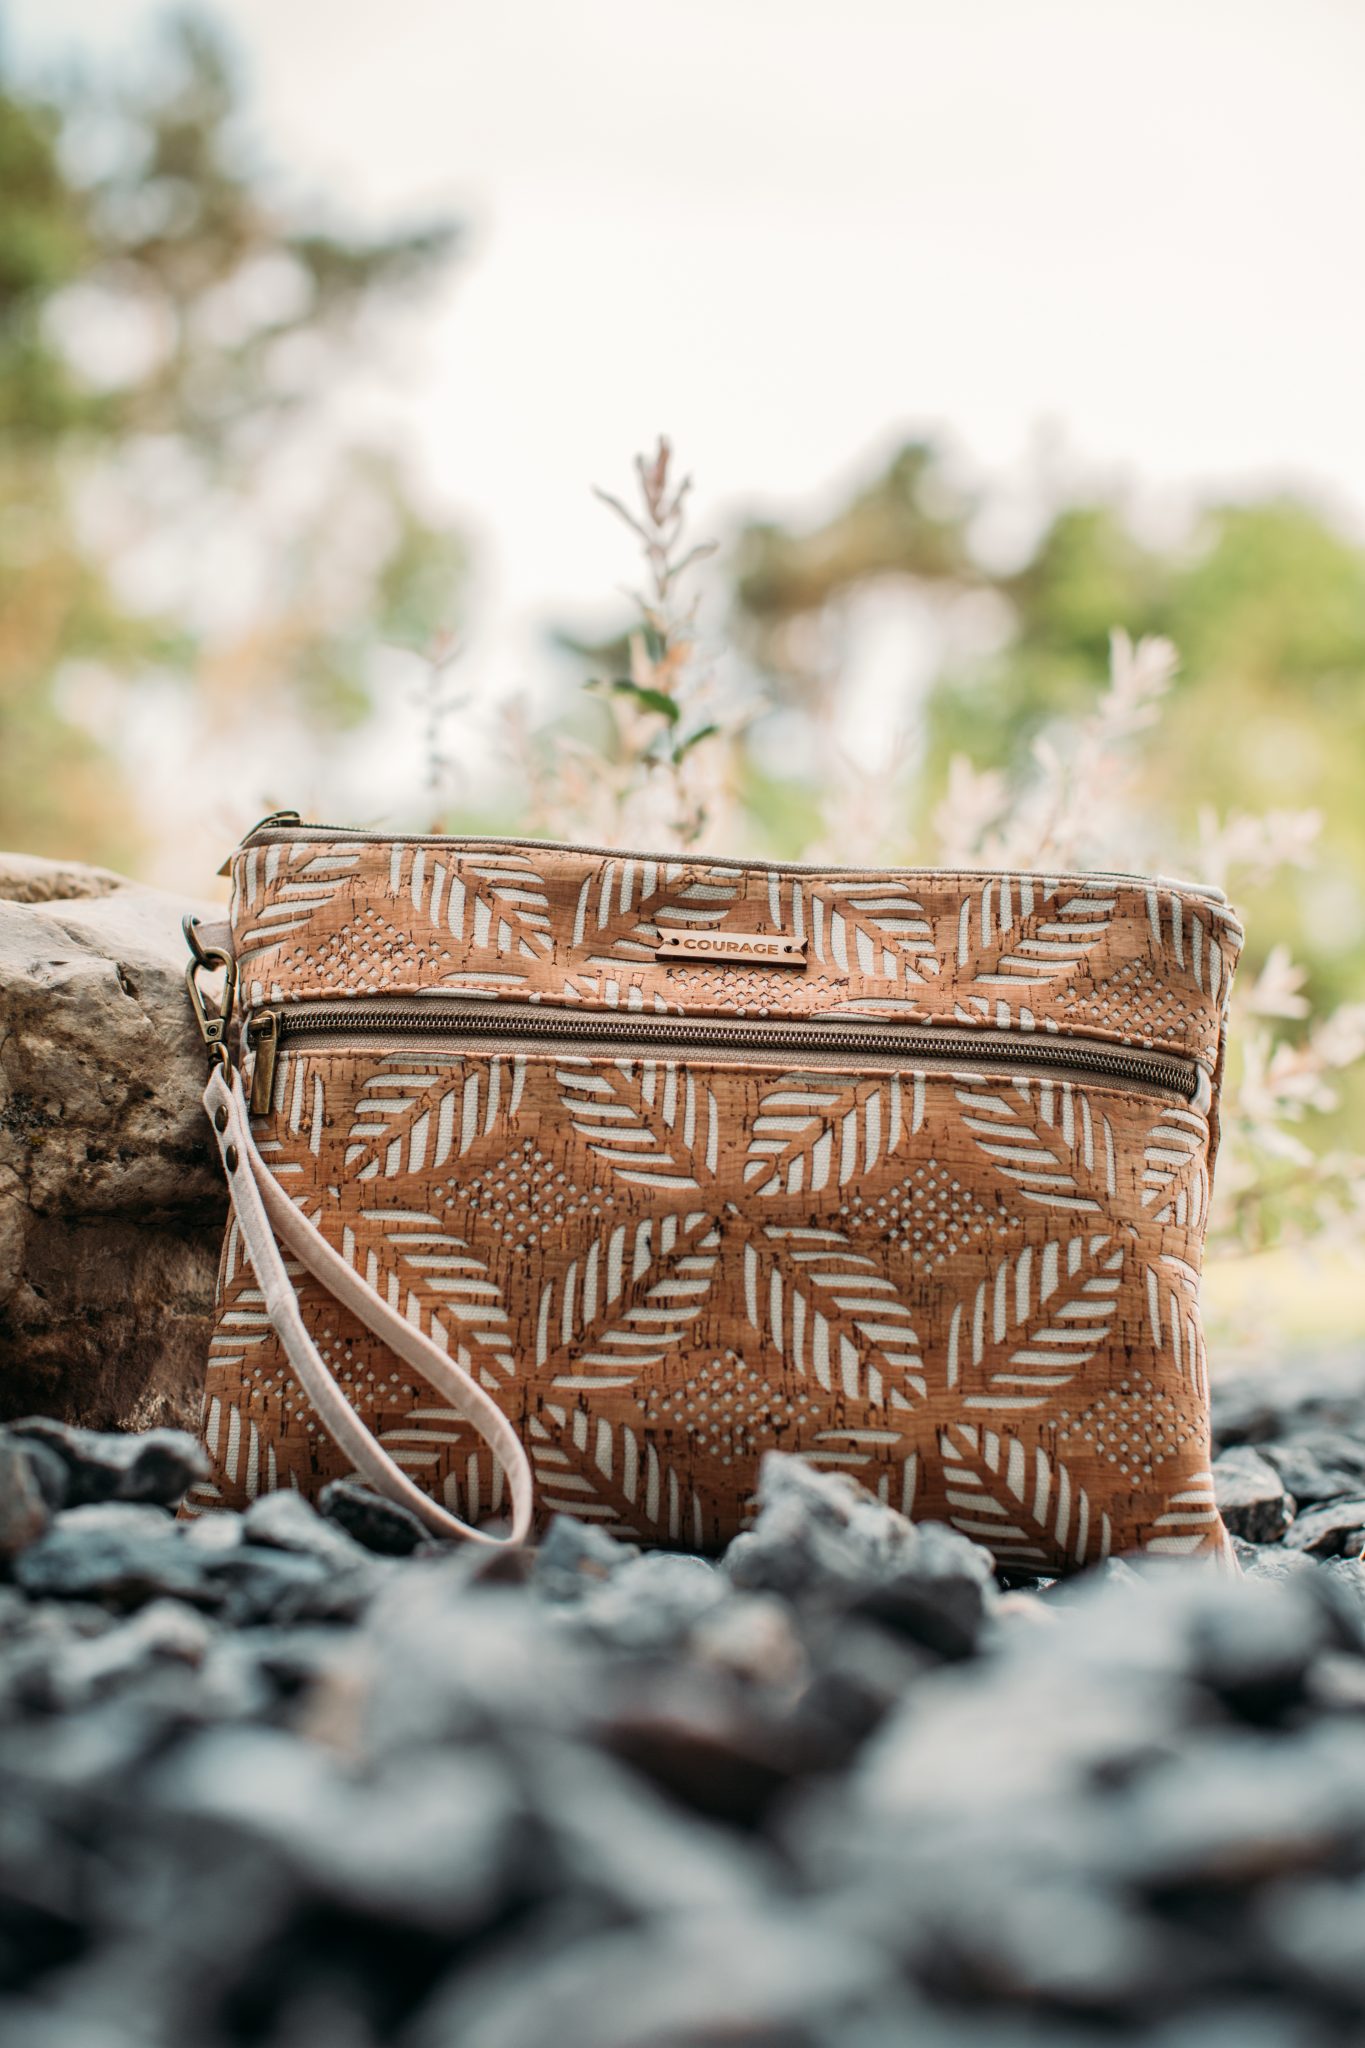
910	521
169	333
654	764
1265	601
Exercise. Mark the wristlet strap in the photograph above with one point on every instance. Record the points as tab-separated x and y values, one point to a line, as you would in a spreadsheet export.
268	1219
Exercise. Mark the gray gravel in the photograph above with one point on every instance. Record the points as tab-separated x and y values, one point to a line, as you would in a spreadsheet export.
300	1778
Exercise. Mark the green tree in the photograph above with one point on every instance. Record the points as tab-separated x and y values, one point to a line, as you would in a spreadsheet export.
171	335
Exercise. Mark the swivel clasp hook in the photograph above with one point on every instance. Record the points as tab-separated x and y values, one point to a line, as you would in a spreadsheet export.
213	1023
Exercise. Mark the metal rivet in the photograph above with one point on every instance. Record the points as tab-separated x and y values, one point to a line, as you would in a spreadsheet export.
220	1119
230	1159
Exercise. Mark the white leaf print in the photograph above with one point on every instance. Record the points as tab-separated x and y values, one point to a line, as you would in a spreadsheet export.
1033	1323
1030	928
625	1301
417	1113
832	1315
1175	1180
813	1132
1023	1505
606	1471
656	1123
1038	1134
865	927
1177	1333
621	905
495	903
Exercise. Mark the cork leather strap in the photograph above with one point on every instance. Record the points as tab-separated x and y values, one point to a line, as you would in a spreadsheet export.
268	1220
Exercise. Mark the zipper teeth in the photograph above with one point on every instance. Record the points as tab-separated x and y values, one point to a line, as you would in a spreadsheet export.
287	823
1154	1069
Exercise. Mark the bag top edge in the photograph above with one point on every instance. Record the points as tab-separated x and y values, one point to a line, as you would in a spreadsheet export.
271	833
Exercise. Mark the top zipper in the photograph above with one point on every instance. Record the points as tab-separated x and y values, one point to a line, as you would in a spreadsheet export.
869	1044
285	822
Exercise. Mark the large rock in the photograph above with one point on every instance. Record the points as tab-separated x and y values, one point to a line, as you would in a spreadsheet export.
1326	1531
821	1536
111	1202
157	1466
1252	1497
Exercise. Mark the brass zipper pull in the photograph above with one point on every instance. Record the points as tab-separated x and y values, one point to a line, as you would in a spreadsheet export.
272	818
265	1041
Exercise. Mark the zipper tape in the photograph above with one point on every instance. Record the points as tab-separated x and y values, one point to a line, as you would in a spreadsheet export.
482	1027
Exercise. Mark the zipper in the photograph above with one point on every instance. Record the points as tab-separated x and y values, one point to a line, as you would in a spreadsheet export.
464	1026
284	824
267	824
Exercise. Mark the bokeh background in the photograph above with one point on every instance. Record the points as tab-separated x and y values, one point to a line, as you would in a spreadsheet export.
1016	353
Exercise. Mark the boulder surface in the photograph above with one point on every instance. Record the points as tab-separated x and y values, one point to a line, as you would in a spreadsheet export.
111	1203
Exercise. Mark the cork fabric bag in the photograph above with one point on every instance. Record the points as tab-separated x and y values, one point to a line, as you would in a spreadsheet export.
661	1163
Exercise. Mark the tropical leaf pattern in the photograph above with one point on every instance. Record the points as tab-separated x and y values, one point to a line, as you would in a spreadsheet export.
813	1132
1175	1170
975	1292
1034	1323
833	1317
1121	959
1176	1333
653	1123
872	928
663	1269
417	1115
1049	1138
1030	928
1004	1490
621	904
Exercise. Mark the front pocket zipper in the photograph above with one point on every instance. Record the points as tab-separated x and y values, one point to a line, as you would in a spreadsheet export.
459	1026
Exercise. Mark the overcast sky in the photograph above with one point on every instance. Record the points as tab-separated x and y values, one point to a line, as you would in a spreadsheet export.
788	232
